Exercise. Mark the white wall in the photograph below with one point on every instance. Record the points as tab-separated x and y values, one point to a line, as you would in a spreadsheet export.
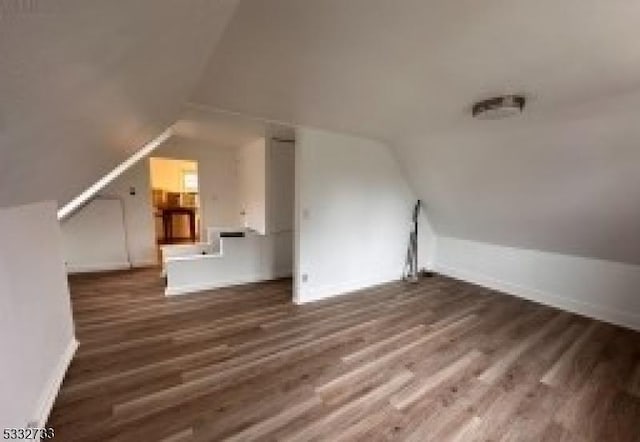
353	213
280	208
252	180
116	230
266	185
94	238
426	241
252	258
36	328
280	182
601	289
138	213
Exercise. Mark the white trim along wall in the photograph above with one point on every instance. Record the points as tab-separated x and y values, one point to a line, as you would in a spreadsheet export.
604	290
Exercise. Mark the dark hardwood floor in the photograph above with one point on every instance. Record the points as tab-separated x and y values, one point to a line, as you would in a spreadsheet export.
439	360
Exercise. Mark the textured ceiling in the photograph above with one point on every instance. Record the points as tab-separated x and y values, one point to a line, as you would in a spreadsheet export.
563	177
84	83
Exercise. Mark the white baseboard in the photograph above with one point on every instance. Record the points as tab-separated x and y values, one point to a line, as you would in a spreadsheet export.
48	396
99	267
109	266
600	312
143	264
313	294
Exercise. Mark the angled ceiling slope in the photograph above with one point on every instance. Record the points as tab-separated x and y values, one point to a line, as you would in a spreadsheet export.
226	129
85	83
563	177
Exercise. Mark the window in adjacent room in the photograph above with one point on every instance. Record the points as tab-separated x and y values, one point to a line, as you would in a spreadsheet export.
190	181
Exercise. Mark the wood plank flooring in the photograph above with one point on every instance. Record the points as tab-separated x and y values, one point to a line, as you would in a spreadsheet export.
438	360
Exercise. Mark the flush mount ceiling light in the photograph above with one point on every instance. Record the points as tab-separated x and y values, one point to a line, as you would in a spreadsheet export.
499	107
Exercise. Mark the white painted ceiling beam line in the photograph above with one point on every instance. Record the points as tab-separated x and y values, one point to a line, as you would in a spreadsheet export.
85	196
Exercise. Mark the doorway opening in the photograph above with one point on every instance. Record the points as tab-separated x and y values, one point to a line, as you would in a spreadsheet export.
175	200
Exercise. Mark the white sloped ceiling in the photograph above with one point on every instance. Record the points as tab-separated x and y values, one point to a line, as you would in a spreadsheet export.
563	177
85	83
